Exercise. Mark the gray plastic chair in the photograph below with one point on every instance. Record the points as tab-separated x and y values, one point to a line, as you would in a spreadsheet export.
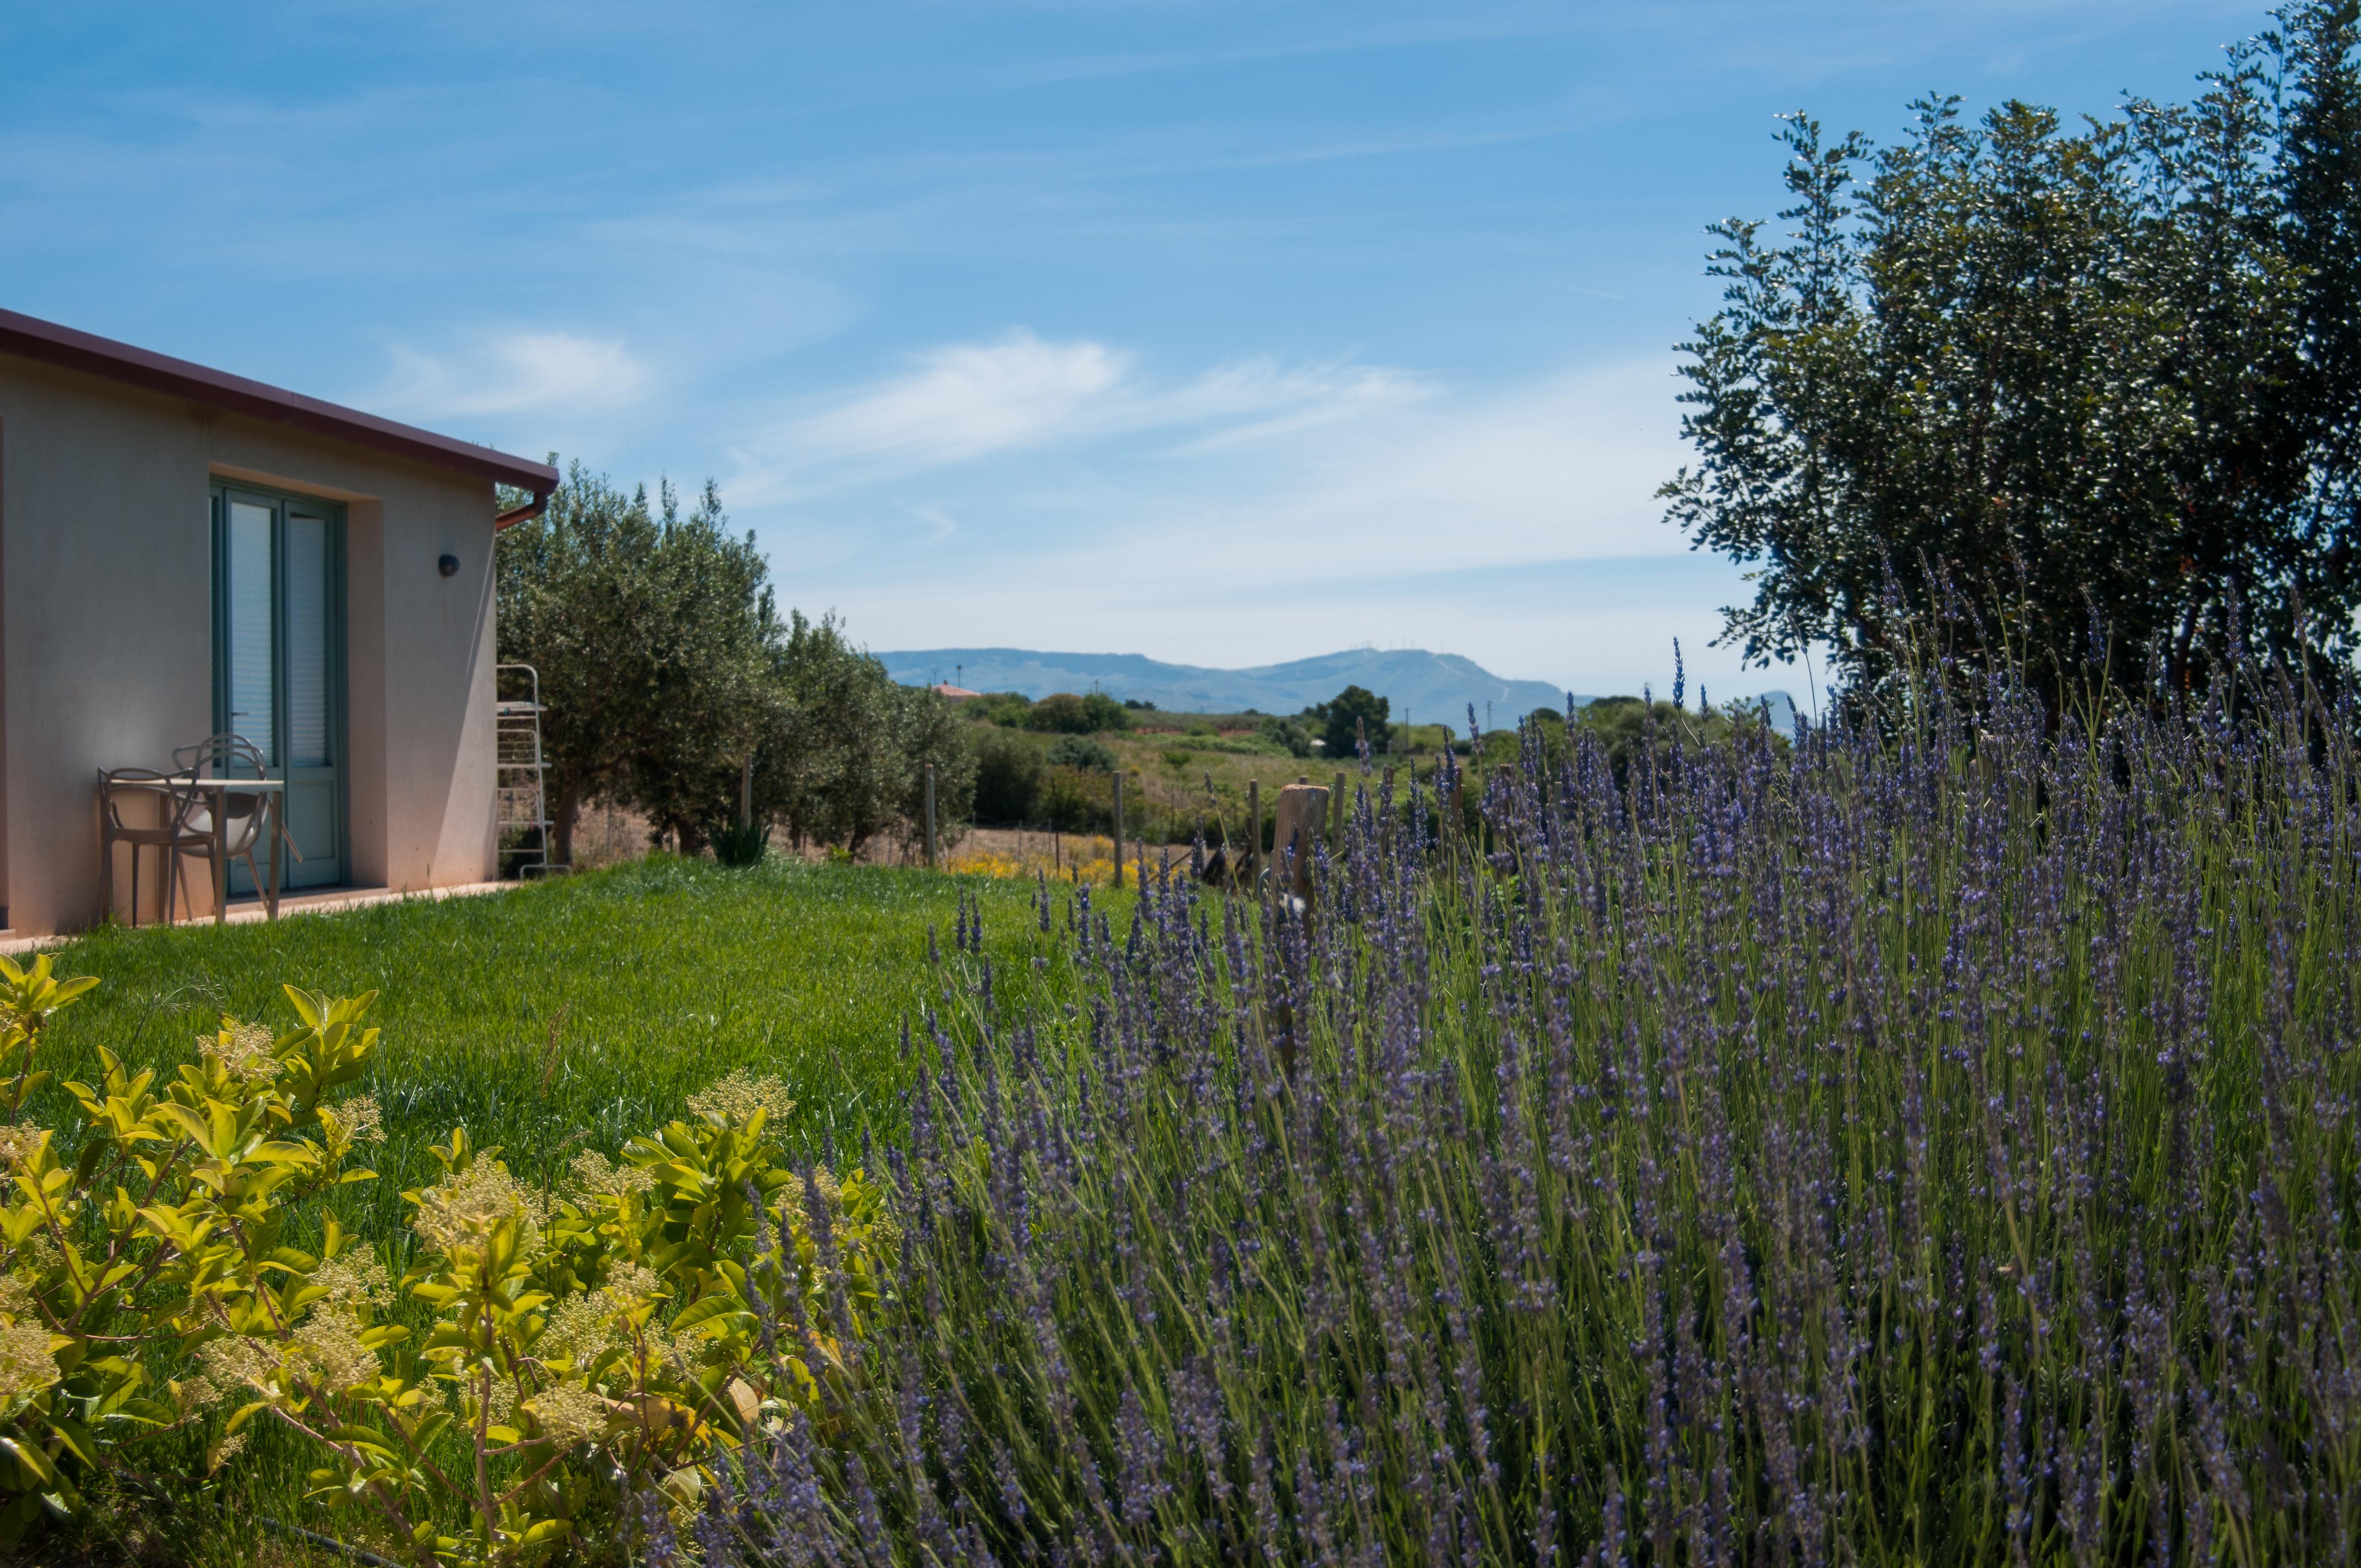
243	811
171	832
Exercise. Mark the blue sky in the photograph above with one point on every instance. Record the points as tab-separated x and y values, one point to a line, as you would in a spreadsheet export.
1221	333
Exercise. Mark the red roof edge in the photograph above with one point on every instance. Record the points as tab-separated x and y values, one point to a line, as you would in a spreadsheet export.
29	337
525	513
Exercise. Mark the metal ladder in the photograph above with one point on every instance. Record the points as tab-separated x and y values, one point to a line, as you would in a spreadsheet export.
522	803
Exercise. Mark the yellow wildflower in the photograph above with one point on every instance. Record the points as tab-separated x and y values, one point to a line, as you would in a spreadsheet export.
329	1341
631	1285
235	1363
737	1097
568	1412
354	1275
503	1403
578	1329
18	1143
359	1119
581	1327
596	1175
26	1363
470	1206
244	1050
660	1350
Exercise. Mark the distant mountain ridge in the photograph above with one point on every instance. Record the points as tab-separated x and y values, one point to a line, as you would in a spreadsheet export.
1424	687
1433	687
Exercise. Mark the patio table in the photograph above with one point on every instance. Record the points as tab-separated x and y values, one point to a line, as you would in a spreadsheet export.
275	794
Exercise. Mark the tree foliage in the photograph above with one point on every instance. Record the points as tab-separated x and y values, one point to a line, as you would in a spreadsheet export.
1080	752
1009	773
844	757
1063	713
1288	734
1344	717
2106	378
1006	709
647	627
665	665
928	730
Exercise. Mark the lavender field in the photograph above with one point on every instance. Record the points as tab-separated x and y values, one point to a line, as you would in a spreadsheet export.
1932	1142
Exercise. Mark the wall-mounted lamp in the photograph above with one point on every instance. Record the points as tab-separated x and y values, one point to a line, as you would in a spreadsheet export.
448	565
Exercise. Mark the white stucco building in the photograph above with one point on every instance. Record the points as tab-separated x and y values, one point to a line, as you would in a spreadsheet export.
185	552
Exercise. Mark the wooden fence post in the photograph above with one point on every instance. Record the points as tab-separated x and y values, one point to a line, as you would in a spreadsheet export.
1118	827
1251	862
930	816
746	793
1302	807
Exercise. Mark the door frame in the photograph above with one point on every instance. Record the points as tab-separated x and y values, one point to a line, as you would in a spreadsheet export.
222	491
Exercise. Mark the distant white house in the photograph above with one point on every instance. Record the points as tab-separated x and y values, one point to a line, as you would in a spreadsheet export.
185	552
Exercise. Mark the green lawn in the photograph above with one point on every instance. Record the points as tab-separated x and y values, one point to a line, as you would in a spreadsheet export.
656	977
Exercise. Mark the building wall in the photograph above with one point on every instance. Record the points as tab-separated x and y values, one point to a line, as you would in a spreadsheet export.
106	632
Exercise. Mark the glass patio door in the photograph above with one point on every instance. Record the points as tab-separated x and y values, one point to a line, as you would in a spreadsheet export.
277	662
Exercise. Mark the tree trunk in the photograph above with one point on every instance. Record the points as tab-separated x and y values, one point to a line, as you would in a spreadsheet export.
2177	674
563	815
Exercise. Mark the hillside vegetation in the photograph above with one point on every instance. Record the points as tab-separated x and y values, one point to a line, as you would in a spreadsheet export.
1187	774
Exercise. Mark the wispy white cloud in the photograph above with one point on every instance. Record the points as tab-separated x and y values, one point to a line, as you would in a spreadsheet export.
941	524
1256	401
1558	467
966	401
514	372
1516	522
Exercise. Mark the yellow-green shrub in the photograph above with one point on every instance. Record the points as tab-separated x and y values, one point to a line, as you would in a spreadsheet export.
167	1232
568	1345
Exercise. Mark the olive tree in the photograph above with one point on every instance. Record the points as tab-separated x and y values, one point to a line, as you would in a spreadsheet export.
664	666
931	731
649	627
843	754
2102	384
